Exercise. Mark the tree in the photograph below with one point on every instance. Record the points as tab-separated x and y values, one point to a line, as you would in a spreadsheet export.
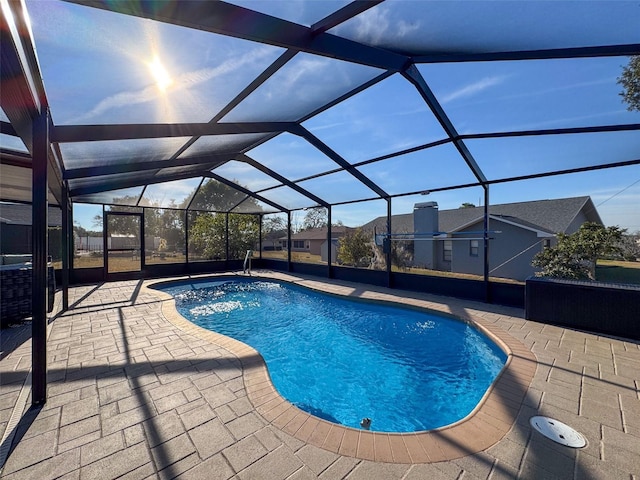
630	81
244	232
274	223
168	225
630	247
467	205
274	227
315	218
96	222
207	235
217	196
80	231
118	224
401	255
575	255
355	248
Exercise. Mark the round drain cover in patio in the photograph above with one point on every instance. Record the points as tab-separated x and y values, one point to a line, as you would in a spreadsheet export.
558	432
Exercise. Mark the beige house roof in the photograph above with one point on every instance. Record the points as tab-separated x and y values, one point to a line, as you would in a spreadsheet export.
320	233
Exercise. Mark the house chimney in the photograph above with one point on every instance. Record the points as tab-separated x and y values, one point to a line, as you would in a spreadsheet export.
425	224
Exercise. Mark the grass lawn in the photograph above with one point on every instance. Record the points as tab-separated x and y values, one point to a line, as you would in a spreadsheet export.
122	263
301	257
618	272
612	271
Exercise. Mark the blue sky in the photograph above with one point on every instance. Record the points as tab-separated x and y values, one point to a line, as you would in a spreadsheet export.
96	67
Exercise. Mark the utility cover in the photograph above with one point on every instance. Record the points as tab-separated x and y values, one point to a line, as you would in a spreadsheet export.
558	432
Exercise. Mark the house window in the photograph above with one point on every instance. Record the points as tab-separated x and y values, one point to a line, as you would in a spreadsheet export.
308	246
546	243
298	244
284	243
474	247
447	250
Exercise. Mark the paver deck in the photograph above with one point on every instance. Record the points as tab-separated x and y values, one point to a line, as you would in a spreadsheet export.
137	392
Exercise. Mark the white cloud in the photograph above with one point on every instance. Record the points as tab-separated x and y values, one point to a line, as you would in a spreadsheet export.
303	71
373	25
162	193
474	88
568	87
119	100
543	93
234	168
624	194
183	82
405	28
327	126
377	26
565	121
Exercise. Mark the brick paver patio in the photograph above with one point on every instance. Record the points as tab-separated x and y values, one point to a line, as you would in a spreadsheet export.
137	393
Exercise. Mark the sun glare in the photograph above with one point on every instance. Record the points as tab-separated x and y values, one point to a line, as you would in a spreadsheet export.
160	74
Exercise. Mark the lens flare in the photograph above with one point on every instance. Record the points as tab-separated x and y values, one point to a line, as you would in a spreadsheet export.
160	74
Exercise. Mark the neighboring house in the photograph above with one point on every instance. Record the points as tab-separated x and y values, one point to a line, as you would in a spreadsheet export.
452	240
314	241
15	228
271	240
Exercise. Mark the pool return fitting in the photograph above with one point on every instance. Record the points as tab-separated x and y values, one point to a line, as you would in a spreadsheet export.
365	423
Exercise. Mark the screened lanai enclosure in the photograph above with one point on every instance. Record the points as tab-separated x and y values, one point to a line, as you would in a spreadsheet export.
332	138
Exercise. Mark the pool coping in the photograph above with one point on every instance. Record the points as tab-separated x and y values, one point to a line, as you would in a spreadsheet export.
491	419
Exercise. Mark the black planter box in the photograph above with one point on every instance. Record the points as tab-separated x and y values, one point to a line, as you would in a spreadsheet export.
15	292
606	308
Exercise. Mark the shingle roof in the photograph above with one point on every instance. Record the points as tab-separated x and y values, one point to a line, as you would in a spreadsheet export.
523	223
548	215
320	233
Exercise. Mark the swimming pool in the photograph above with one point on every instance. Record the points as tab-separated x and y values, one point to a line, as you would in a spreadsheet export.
343	360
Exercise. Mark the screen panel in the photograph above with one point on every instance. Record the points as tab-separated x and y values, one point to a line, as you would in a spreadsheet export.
388	117
482	97
164	231
292	157
207	236
230	144
274	236
287	197
615	193
216	196
87	234
338	187
353	241
303	13
299	88
127	196
9	142
251	205
509	157
114	152
114	68
246	175
174	194
486	26
434	167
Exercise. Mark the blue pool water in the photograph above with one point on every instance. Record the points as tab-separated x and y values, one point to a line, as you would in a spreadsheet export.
343	360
